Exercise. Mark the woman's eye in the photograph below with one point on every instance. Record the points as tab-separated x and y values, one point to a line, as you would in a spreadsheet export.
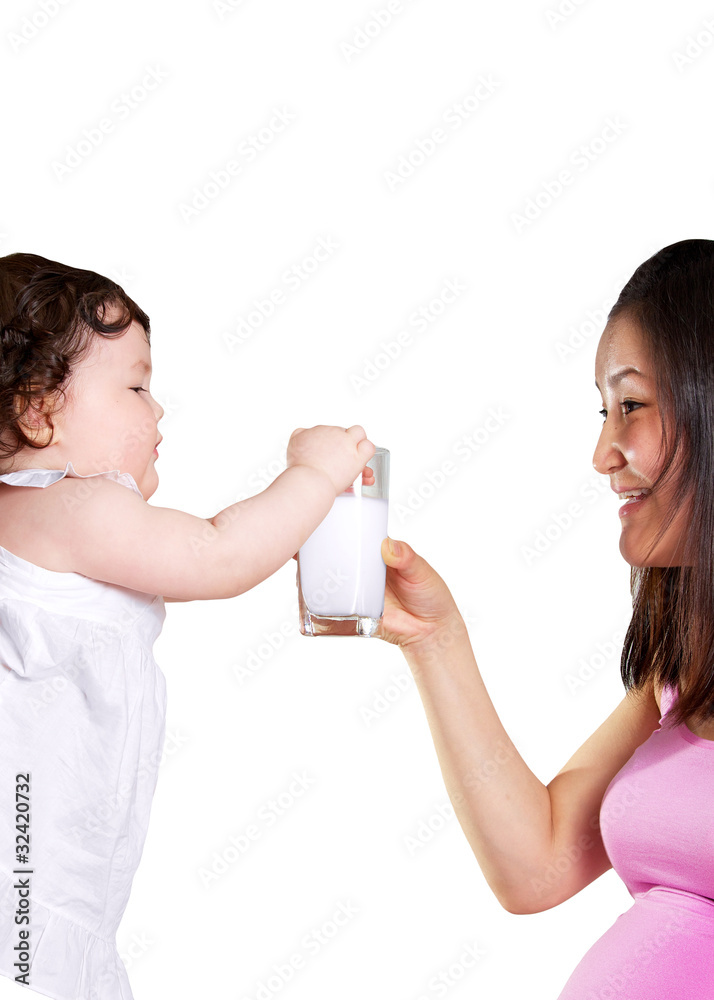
625	402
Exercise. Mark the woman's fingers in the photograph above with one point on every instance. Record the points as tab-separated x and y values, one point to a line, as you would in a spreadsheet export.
402	557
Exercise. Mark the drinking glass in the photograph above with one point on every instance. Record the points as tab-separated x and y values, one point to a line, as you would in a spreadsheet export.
341	573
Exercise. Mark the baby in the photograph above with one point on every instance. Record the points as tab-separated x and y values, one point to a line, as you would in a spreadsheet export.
85	568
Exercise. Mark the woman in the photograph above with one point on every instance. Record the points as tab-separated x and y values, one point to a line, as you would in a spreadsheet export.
636	796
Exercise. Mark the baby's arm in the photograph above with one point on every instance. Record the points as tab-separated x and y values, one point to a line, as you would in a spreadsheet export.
109	533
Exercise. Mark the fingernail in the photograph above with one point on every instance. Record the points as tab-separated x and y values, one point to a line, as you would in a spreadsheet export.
394	547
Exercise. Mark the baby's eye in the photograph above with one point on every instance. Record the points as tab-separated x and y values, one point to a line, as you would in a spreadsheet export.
138	388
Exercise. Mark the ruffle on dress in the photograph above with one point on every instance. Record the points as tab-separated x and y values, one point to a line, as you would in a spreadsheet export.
45	477
74	963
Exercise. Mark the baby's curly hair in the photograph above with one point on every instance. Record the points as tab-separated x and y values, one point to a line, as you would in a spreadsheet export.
49	313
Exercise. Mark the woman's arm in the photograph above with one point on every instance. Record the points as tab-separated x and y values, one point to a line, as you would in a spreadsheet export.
536	845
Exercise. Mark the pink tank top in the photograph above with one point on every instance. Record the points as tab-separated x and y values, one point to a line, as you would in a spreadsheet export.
657	825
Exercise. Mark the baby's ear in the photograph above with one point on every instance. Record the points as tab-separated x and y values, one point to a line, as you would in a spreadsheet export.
34	421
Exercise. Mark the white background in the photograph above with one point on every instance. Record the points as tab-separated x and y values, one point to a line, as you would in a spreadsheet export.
530	287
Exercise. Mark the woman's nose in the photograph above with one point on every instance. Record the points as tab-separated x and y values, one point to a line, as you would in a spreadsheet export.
608	457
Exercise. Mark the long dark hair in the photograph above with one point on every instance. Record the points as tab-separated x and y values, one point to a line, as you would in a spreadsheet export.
49	315
671	634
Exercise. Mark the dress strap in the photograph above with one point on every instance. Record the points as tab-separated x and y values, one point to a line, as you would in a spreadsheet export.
667	698
45	477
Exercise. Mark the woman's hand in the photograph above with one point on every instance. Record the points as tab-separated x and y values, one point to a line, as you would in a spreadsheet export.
419	609
418	606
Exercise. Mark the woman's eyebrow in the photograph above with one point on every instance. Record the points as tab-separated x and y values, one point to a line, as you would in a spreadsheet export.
619	375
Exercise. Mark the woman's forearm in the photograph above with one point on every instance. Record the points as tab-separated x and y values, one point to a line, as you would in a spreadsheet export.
503	809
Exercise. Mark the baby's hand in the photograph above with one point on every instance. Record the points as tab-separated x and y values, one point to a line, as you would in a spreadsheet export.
340	453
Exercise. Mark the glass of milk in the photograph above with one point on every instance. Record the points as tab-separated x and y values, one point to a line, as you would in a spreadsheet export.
341	574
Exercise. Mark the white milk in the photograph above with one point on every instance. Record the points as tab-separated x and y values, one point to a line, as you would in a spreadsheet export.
341	567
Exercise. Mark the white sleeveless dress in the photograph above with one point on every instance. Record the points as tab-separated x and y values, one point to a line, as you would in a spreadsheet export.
82	712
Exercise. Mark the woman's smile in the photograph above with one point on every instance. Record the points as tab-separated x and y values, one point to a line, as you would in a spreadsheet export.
634	503
630	447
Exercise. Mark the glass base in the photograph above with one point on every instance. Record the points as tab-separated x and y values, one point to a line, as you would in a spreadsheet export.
312	624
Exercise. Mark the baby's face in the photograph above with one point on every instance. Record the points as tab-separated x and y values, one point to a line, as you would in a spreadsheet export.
110	419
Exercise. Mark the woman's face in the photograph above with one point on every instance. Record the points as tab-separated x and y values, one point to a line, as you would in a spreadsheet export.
628	450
